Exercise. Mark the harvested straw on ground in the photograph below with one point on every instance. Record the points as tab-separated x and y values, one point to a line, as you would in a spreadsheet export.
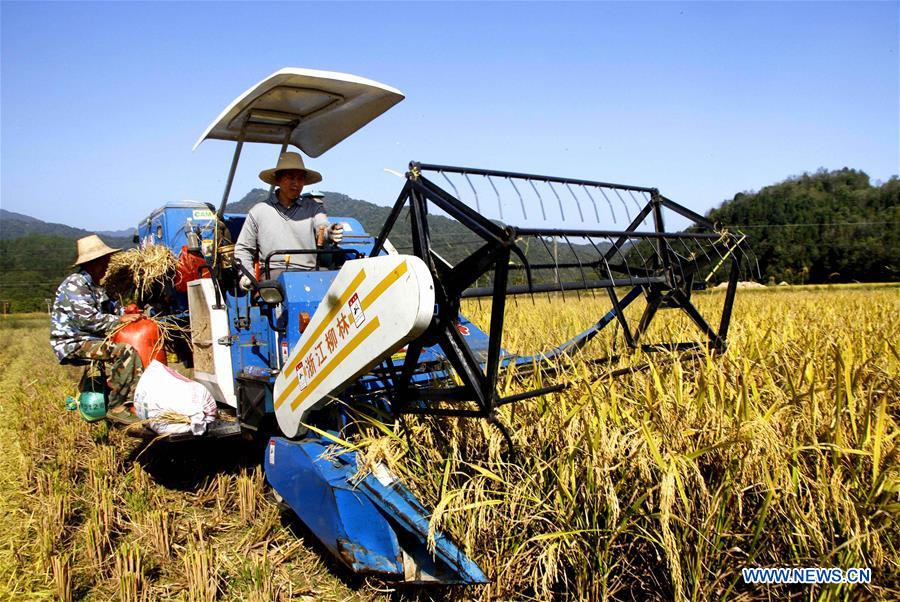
136	273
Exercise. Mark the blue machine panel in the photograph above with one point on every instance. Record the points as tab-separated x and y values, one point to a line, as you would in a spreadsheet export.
166	225
303	292
372	523
355	236
319	490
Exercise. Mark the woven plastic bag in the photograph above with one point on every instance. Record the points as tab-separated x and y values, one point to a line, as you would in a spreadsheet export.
179	404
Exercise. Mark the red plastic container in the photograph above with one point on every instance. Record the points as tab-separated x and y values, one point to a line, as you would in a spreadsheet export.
188	265
143	335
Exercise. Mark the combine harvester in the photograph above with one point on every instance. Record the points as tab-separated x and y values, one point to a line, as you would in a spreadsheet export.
379	329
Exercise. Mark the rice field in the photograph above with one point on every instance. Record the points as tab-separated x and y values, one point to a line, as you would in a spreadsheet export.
657	485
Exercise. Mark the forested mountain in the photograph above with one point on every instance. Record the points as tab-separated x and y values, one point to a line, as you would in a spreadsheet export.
34	258
12	215
14	225
31	267
371	216
448	236
829	226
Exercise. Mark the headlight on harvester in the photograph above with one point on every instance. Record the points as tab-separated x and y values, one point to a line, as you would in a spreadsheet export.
270	291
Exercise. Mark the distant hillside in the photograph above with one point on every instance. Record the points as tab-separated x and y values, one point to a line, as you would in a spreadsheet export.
449	237
31	267
830	226
35	256
127	233
15	225
824	227
12	215
370	215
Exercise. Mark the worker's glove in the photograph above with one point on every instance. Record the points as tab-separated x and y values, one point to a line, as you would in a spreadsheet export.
244	283
337	233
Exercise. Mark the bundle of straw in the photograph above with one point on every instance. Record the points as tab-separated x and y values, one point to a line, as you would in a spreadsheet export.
135	273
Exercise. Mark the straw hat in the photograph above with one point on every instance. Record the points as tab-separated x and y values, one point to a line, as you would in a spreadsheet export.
90	248
290	161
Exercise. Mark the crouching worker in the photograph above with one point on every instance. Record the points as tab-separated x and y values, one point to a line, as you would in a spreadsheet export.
83	319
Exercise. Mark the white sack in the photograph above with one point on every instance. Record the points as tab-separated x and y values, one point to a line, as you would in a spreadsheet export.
161	389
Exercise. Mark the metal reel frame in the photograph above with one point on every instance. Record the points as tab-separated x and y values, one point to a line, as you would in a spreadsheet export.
666	279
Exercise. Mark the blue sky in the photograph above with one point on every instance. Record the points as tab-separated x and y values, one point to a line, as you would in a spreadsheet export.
102	102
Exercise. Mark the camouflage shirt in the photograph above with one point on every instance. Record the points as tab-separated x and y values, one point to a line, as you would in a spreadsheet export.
82	312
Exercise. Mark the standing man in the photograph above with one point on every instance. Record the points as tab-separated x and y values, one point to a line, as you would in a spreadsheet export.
285	221
83	317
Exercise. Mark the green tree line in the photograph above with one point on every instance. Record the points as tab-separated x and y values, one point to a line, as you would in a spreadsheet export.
31	268
829	226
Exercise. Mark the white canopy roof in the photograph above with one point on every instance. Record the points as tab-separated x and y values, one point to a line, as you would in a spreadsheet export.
316	109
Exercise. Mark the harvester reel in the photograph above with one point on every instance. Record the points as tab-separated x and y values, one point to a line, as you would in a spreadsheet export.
499	259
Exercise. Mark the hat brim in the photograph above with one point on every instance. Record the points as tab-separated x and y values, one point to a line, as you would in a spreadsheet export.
312	176
92	255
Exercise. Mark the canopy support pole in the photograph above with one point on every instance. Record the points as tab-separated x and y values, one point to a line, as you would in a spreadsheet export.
234	162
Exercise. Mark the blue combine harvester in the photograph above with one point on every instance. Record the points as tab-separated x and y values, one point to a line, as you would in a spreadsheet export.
374	524
382	330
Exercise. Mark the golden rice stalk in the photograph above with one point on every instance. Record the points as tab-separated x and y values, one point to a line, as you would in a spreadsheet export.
136	273
96	543
109	460
66	461
249	488
163	418
223	416
29	470
61	567
43	483
199	562
129	572
261	573
106	511
222	492
169	331
161	527
659	483
46	540
53	523
141	480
